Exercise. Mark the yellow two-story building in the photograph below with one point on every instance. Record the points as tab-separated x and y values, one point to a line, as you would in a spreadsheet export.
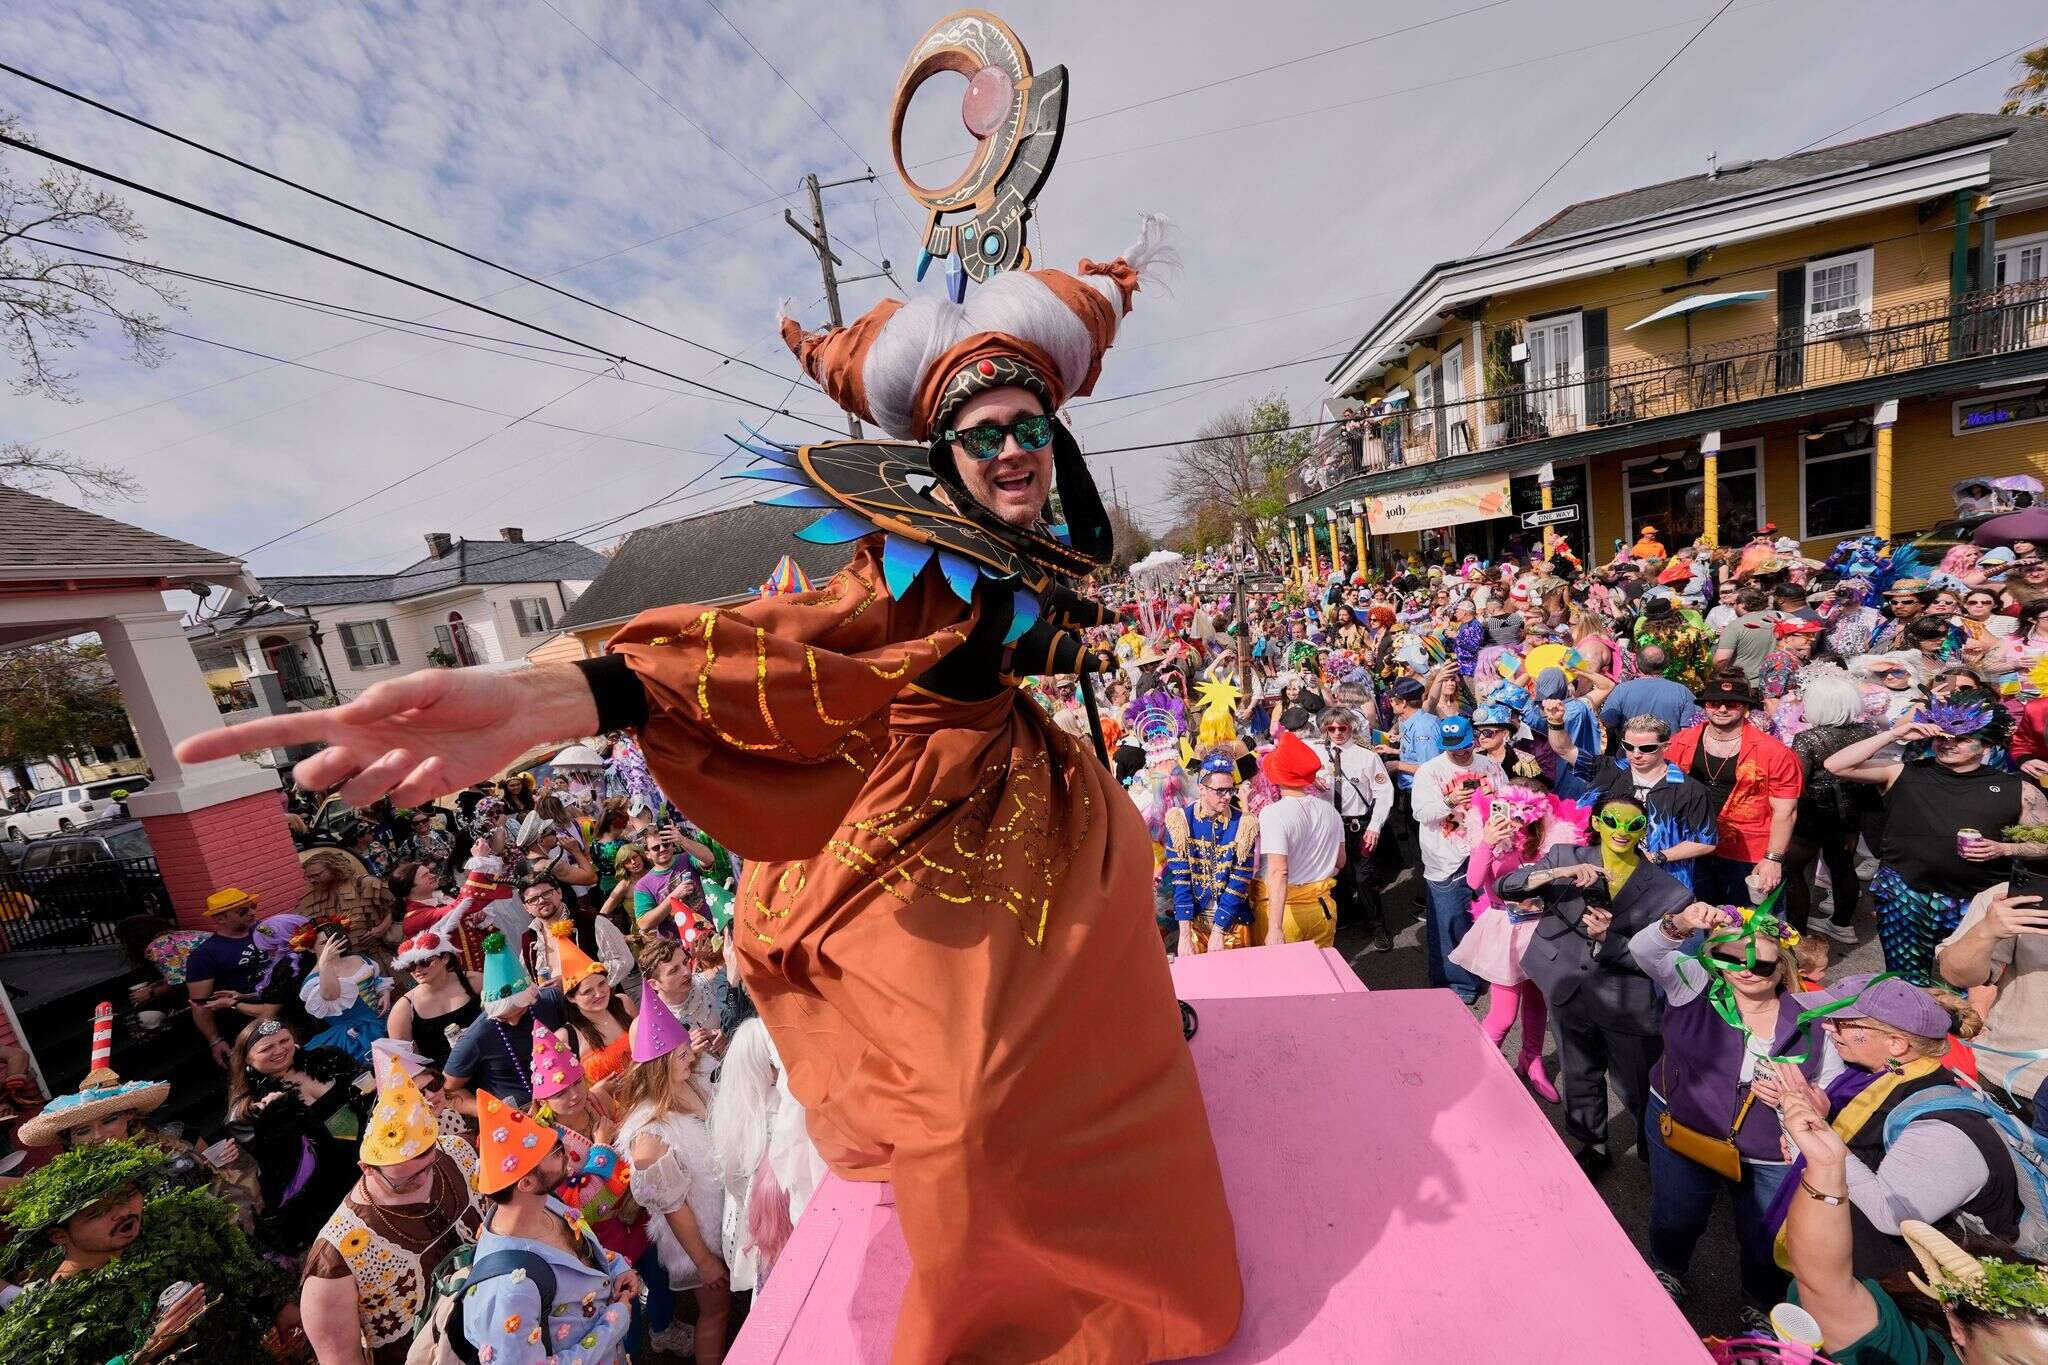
1828	342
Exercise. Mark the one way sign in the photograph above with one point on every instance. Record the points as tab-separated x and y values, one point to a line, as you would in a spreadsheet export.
1556	516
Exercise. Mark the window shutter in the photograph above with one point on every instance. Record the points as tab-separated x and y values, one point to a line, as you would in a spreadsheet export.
390	649
348	642
547	614
1791	326
1593	336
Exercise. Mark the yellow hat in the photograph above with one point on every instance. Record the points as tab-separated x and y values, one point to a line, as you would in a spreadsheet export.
231	898
402	1127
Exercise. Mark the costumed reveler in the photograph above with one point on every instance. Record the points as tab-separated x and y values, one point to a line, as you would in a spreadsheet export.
943	913
942	919
100	1236
1212	853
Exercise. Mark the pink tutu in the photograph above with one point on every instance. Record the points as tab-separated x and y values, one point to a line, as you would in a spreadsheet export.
1492	948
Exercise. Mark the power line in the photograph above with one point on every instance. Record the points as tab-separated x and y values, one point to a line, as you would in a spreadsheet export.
1392	94
422	393
2001	57
167	197
414	474
1292	61
682	114
349	312
342	204
379	331
865	164
1725	6
1212	379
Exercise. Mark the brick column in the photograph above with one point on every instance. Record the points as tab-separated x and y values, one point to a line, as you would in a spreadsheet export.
213	825
242	843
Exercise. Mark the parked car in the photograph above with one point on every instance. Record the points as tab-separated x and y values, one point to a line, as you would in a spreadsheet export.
102	874
66	808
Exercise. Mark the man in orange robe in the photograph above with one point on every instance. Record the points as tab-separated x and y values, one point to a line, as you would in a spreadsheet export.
946	913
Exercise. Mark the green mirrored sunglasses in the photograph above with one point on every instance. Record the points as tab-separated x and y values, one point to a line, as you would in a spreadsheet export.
986	441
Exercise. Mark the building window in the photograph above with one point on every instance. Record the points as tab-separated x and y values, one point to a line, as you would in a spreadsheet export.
368	644
455	640
1836	483
1838	290
1669	492
1557	371
2022	260
534	615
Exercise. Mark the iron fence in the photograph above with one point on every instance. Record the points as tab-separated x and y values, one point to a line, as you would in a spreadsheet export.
74	895
1697	379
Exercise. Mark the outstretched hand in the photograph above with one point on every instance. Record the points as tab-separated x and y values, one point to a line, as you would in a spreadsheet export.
421	736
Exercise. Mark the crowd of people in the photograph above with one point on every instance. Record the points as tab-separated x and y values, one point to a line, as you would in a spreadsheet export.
1632	808
1640	808
483	1016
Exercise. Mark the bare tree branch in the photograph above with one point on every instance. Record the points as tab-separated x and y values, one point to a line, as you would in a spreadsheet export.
44	295
1231	479
25	467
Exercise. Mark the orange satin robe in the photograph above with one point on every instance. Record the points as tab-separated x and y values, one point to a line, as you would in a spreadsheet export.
950	936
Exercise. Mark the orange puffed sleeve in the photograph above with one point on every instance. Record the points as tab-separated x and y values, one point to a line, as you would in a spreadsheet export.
764	719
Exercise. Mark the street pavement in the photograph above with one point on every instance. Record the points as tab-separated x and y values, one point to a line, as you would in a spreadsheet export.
1713	1299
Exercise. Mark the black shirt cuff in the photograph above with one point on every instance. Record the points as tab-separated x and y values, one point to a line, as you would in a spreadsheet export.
621	700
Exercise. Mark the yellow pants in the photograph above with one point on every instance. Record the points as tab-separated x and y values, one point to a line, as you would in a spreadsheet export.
1311	915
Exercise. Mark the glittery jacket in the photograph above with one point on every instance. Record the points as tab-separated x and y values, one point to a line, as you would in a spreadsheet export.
1211	865
503	1317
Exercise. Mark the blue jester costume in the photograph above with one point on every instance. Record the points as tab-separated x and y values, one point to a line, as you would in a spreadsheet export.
1212	865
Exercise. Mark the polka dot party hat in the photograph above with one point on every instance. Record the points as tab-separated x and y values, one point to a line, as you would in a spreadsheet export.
401	1127
555	1067
509	1144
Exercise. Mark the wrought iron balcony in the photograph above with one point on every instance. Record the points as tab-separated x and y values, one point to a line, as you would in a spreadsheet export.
1699	379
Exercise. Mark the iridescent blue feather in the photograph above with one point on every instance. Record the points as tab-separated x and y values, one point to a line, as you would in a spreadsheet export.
836	528
902	561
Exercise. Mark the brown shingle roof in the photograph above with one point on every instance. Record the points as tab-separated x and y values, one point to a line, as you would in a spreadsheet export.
43	536
712	557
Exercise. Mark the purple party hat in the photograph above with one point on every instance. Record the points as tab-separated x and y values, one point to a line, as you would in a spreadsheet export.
657	1032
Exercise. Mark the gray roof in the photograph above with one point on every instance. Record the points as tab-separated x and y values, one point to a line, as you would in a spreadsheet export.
468	563
712	557
2024	160
40	534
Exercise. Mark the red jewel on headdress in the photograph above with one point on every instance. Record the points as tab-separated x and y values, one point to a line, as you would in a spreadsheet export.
987	368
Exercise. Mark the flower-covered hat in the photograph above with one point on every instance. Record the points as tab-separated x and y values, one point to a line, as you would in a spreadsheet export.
401	1127
509	1144
555	1067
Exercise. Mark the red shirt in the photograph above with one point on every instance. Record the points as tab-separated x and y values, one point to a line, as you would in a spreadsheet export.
1764	769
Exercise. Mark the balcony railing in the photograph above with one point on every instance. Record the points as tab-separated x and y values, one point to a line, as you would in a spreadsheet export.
1789	360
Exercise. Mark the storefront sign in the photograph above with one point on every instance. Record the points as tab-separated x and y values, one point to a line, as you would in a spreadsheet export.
2005	410
1424	509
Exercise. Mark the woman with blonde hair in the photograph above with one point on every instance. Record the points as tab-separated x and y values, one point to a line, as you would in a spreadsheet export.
667	1137
1945	1167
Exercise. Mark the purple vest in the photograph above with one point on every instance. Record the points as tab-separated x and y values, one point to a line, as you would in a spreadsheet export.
1697	1076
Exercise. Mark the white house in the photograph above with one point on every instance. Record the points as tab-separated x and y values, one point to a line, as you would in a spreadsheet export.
467	602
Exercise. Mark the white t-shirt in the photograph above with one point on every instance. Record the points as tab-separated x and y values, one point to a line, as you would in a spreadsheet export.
1446	839
1305	830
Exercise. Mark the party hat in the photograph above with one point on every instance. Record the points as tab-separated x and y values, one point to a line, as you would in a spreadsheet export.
401	1127
506	984
657	1032
394	1054
509	1144
718	900
575	963
555	1067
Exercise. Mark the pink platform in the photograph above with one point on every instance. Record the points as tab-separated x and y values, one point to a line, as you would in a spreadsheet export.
1399	1196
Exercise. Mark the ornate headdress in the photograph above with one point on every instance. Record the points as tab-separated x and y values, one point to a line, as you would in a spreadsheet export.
909	367
101	1095
1972	713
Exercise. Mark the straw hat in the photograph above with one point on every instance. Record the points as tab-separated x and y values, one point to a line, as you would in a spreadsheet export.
101	1096
229	898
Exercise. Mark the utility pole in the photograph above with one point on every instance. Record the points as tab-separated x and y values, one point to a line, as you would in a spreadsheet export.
821	244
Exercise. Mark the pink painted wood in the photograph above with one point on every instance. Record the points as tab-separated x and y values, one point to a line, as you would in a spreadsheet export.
1399	1196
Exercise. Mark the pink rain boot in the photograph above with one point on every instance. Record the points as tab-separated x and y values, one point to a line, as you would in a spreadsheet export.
1530	1066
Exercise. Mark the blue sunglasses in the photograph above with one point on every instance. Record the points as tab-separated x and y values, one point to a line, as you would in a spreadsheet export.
986	441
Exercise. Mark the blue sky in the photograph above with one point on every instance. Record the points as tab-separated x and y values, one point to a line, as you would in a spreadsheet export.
500	127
